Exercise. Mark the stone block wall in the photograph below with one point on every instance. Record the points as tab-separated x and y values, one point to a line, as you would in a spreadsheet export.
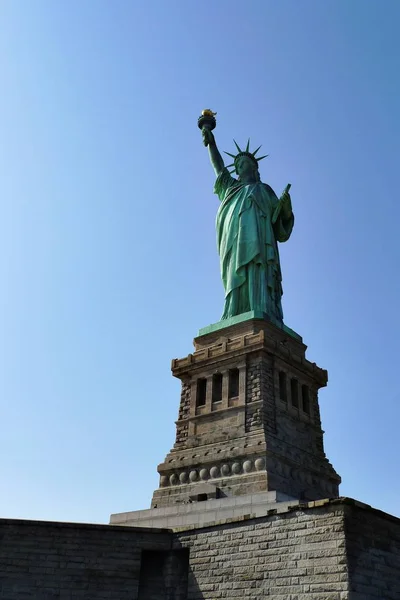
323	550
63	561
297	555
373	551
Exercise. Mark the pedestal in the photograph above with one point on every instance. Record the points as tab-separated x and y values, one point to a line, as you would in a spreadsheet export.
249	418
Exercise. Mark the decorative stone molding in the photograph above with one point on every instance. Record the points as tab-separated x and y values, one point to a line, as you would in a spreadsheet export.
261	339
217	471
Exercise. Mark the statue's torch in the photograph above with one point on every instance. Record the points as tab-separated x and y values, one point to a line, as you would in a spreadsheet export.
207	120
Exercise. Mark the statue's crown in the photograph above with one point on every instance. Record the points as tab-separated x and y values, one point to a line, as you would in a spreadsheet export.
246	152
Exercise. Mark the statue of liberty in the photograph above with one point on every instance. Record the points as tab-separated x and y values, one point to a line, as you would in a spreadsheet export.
250	221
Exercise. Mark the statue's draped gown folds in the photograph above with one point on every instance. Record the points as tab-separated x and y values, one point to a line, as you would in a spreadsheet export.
248	229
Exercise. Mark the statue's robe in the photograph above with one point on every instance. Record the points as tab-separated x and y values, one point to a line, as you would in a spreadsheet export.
248	229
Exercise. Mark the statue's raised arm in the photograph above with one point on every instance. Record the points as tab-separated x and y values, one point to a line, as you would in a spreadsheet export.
207	123
251	220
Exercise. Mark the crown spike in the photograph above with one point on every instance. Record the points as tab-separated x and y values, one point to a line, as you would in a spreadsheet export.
255	151
248	145
237	146
229	166
261	157
229	154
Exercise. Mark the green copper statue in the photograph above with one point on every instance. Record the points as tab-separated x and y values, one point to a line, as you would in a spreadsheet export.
250	221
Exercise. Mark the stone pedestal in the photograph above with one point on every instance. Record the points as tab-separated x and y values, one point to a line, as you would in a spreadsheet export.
248	419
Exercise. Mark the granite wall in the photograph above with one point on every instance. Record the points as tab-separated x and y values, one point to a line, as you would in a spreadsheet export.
322	550
49	561
296	555
373	553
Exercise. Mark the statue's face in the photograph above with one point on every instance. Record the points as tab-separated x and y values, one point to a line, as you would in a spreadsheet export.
245	168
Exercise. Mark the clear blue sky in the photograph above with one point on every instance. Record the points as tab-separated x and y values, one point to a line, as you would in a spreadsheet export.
108	259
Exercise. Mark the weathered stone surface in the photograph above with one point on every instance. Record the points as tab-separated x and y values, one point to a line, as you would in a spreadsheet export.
373	553
323	550
225	439
46	561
